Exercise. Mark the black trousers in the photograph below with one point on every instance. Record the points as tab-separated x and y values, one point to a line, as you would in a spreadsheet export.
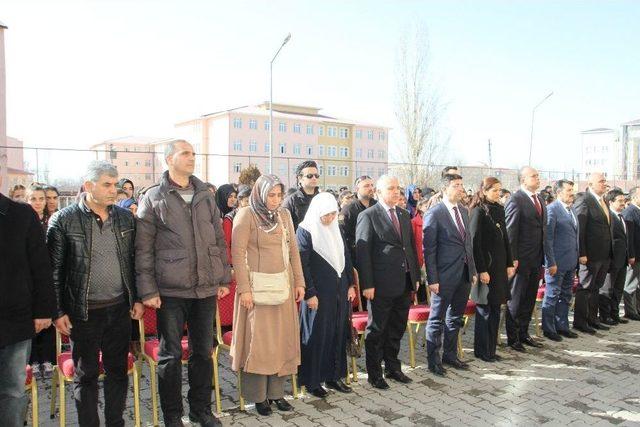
592	278
43	347
524	290
609	303
198	314
108	330
387	323
487	323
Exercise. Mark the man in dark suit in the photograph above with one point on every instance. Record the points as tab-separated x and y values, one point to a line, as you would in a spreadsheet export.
349	214
526	227
631	294
448	257
611	291
388	269
561	262
595	252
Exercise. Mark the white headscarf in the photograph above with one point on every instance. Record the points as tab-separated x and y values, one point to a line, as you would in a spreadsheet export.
327	240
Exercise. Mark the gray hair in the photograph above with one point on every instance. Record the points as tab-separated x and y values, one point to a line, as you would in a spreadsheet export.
383	180
170	147
97	168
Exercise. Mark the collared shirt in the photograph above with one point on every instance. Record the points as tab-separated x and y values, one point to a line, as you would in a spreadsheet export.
530	194
386	209
568	209
83	205
621	218
598	198
450	207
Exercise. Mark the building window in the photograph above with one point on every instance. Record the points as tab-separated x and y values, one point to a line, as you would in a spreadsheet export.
283	148
381	136
369	154
237	145
344	151
237	167
147	163
359	133
266	147
331	170
331	131
126	163
237	123
331	151
344	170
267	125
253	146
369	134
321	150
369	171
296	128
344	133
137	163
282	168
296	149
309	150
320	170
381	154
381	171
282	127
253	124
147	176
320	130
309	129
358	153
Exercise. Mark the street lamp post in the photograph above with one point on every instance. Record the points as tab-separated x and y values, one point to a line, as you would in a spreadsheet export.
533	114
285	41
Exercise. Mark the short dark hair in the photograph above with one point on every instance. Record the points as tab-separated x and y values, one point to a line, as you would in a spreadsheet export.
613	193
304	165
504	191
559	185
448	178
446	170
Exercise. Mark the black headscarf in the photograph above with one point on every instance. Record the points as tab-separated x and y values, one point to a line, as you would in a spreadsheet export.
222	197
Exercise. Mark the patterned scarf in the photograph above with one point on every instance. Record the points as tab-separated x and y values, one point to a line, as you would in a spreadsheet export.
267	220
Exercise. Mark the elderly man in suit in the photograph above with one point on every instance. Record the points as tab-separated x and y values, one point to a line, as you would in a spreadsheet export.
613	288
388	269
561	262
448	256
526	227
631	294
594	219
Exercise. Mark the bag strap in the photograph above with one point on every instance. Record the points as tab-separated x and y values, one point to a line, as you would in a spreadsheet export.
285	243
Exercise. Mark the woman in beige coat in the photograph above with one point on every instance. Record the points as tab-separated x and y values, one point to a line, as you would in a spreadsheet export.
266	338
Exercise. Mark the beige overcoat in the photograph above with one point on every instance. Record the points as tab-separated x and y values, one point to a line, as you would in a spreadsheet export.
266	339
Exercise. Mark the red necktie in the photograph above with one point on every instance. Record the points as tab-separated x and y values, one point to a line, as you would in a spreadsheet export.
394	220
459	223
536	202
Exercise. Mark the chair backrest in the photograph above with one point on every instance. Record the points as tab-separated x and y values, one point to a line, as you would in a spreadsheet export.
60	341
148	324
357	301
224	310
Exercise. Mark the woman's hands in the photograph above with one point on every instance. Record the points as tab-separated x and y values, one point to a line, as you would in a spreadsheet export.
246	300
312	303
351	294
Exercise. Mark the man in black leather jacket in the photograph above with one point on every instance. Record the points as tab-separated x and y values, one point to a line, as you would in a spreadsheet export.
91	245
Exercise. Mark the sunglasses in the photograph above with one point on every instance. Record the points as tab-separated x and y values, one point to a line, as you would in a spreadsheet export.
311	175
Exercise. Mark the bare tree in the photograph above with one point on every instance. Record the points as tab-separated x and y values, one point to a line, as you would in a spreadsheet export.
419	110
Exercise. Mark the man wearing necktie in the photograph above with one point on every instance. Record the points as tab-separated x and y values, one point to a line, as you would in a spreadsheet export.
448	257
594	219
561	261
388	268
526	227
631	295
613	288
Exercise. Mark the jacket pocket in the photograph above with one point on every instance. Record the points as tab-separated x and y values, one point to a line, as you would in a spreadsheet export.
217	268
172	268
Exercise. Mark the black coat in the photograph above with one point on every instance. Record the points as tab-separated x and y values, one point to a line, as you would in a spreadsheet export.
491	249
381	254
26	287
595	231
348	220
298	204
620	243
526	230
324	357
631	215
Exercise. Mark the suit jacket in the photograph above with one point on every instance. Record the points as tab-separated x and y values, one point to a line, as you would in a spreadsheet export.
382	255
526	230
562	238
620	257
631	216
444	249
595	230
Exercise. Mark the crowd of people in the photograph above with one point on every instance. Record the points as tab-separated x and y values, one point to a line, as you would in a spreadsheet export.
296	261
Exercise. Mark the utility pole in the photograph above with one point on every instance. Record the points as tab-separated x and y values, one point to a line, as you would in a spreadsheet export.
490	160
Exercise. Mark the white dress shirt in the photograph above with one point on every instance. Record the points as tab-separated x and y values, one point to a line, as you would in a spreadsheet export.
570	212
453	214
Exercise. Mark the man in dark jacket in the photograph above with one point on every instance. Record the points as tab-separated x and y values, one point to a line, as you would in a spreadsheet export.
181	266
91	248
27	303
631	294
349	215
307	180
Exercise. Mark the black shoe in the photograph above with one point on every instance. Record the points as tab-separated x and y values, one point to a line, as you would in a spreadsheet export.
338	385
632	316
486	359
552	336
586	329
438	370
532	343
264	408
568	334
620	320
398	376
497	358
611	321
456	363
599	326
379	383
205	419
282	404
319	392
517	346
173	422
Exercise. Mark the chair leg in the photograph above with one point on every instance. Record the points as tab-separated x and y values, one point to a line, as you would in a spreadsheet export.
54	392
34	402
154	392
348	379
354	370
216	380
136	394
536	317
501	323
294	385
412	347
240	398
63	404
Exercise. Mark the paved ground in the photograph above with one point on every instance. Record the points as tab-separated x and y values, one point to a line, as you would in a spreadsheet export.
592	380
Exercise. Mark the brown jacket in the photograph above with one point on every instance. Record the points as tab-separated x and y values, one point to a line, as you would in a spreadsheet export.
266	339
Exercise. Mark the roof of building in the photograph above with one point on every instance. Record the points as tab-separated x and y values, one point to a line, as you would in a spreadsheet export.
132	140
14	171
597	130
3	26
632	122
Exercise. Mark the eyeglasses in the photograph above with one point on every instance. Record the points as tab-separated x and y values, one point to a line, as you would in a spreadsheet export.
362	178
311	175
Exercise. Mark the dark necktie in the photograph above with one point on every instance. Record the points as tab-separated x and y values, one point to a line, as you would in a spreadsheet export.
536	202
624	225
459	223
394	220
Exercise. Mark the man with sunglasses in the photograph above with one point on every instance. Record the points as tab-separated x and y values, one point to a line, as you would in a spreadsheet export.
307	180
349	214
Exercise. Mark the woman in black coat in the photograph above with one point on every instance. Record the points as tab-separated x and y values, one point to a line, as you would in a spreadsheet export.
494	263
328	276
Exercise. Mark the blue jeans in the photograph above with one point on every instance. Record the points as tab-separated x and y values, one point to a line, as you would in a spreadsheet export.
557	299
13	374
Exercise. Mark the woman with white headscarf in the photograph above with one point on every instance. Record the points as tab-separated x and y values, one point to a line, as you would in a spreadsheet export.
328	276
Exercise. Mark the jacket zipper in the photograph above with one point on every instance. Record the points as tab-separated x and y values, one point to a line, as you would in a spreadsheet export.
120	259
86	299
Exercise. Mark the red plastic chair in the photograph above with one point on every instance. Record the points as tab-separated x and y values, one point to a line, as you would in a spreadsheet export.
418	316
359	321
31	386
